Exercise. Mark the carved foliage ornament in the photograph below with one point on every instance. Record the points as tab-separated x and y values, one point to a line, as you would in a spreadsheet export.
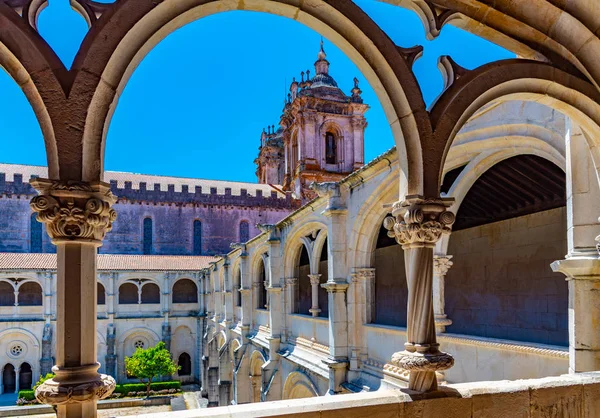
74	211
419	222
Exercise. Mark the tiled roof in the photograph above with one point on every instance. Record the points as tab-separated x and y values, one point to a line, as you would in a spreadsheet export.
121	177
34	261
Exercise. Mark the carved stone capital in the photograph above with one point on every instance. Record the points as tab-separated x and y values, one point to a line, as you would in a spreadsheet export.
334	287
315	279
291	281
419	222
74	211
441	264
75	385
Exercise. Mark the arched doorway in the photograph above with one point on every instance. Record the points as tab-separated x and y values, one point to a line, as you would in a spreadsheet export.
25	377
185	364
9	378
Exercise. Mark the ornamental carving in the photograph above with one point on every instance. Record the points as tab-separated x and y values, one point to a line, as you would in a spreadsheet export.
441	264
74	211
52	392
419	222
423	362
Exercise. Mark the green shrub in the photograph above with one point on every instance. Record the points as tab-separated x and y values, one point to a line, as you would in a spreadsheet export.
140	387
43	379
28	395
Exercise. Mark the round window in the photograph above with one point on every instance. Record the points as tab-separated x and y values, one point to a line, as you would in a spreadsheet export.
16	350
139	344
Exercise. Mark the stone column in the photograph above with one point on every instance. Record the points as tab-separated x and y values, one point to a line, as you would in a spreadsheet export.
582	265
77	216
441	265
1	383
110	297
48	295
111	356
46	360
315	281
417	224
583	277
17	383
228	292
291	291
245	294
361	302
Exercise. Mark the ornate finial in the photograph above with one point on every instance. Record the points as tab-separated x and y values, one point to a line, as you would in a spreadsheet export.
356	92
302	74
355	82
273	128
307	75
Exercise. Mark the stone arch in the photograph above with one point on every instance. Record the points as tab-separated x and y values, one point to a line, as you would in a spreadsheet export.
184	342
125	44
184	291
257	360
484	161
260	276
128	294
511	80
129	341
19	345
294	241
9	377
221	340
25	376
34	66
30	293
363	238
7	293
101	293
297	386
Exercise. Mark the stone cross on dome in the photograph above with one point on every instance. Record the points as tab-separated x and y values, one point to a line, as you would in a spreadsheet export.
322	65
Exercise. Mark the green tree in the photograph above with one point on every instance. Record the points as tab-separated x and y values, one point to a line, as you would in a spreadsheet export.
149	363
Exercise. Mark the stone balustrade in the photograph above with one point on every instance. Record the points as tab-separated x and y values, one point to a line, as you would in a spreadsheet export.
567	396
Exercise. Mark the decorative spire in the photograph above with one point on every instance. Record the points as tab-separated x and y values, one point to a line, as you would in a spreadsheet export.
322	65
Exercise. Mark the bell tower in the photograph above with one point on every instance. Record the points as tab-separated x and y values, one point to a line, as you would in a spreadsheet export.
321	134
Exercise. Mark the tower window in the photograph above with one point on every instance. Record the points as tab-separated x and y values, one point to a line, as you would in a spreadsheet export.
330	148
197	237
147	236
35	235
244	231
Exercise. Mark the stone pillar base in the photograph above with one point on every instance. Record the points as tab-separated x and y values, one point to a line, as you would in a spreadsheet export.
423	367
337	374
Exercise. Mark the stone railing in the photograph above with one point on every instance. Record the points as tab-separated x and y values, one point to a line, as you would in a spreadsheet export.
568	396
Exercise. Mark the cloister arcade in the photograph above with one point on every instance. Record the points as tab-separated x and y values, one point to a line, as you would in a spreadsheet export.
559	70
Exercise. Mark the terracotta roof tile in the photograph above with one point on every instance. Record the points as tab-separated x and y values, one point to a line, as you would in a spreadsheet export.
34	261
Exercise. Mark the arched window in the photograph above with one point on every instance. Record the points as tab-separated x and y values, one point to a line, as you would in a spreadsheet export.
150	293
185	362
35	235
197	237
147	236
262	287
7	294
244	231
128	294
9	378
30	294
294	156
237	297
185	291
304	286
101	295
330	148
25	377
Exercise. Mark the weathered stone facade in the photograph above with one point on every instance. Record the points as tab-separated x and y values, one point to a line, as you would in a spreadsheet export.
173	205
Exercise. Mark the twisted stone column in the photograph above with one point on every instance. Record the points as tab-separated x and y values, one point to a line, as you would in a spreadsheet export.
417	224
77	216
315	281
441	265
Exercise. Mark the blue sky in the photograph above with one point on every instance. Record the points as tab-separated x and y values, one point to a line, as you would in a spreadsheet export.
197	103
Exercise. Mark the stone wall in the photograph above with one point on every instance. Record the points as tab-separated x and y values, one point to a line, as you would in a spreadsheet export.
172	212
391	291
501	284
